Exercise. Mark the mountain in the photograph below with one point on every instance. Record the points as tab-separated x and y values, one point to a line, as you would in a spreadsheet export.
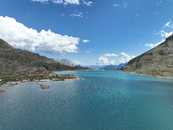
109	67
157	61
67	62
20	62
121	66
113	67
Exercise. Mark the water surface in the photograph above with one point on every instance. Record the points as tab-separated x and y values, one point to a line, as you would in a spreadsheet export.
101	100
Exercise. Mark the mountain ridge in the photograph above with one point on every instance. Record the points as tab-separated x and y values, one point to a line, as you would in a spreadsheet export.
16	63
157	62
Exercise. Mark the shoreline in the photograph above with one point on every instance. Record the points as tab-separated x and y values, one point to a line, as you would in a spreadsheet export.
153	76
43	84
39	79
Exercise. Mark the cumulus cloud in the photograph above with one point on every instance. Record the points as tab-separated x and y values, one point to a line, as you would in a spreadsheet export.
20	36
66	2
114	59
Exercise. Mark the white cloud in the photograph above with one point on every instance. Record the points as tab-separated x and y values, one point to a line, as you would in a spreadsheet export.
41	1
66	2
20	36
152	45
116	5
165	34
114	59
74	2
85	41
87	3
78	14
121	5
168	26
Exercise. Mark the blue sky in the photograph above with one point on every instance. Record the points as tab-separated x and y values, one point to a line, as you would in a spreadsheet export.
106	28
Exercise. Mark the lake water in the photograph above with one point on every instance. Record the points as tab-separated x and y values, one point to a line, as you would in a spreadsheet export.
101	100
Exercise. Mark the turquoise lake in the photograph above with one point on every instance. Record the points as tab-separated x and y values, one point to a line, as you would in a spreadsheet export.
101	100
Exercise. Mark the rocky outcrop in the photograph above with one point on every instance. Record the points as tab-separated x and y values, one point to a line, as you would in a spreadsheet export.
157	61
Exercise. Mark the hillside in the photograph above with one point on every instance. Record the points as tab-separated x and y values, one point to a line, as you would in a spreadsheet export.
157	61
20	62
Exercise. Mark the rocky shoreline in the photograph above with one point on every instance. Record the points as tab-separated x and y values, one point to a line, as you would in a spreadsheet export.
8	81
149	75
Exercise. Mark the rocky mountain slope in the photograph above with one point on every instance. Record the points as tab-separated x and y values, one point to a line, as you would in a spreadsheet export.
157	61
20	62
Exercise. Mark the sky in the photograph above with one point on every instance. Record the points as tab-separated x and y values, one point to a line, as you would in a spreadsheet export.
87	32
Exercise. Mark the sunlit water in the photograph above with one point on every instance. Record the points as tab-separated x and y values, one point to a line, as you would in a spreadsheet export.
101	100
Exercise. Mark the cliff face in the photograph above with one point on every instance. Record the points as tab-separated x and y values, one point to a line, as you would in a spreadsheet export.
16	61
157	61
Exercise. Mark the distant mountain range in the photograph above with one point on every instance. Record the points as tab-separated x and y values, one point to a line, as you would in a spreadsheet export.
157	61
16	61
108	67
113	67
